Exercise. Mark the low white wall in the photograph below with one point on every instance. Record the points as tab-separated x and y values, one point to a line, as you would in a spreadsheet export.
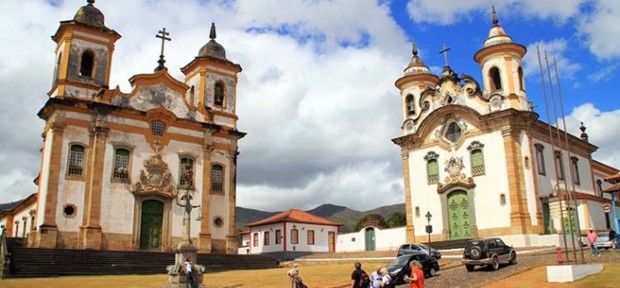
535	240
386	239
570	273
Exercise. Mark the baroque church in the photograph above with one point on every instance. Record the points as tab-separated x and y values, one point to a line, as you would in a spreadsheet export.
114	165
481	162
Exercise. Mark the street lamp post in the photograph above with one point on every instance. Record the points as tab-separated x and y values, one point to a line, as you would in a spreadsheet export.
429	230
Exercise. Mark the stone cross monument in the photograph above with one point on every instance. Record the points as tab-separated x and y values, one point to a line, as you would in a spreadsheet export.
185	250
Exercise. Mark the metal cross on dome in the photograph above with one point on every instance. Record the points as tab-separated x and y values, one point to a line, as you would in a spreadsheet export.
163	35
444	50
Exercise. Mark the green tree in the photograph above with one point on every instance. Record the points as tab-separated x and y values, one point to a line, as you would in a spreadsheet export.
397	219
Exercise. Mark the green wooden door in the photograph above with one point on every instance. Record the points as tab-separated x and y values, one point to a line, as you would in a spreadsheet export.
370	239
547	224
151	225
458	215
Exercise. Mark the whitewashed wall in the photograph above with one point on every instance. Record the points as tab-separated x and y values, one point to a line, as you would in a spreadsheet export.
386	239
321	233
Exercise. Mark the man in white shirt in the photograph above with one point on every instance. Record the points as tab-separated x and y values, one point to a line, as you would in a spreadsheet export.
375	277
189	277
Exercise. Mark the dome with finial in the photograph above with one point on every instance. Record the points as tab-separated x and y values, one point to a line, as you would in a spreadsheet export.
497	35
416	66
90	15
212	48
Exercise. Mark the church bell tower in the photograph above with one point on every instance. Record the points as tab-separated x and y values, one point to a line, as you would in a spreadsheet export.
83	54
501	63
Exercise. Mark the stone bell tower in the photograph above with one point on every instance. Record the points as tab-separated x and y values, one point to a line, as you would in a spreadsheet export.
83	54
501	62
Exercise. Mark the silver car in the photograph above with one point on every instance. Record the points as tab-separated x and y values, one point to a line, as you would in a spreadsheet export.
413	248
603	241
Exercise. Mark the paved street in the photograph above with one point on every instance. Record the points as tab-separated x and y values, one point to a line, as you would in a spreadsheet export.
459	277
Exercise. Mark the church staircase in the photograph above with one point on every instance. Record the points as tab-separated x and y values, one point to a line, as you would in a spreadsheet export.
36	262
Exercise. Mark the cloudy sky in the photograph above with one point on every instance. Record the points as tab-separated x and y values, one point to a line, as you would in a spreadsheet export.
316	95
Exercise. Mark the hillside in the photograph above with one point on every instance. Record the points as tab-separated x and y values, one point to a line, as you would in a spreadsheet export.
347	216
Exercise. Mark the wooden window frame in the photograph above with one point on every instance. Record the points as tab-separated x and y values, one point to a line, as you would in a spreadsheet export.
310	237
255	239
117	176
295	236
278	235
223	184
559	165
69	174
266	238
540	159
574	161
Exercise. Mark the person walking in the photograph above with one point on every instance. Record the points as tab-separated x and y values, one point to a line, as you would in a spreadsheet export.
375	277
359	277
386	279
188	268
591	239
612	238
416	279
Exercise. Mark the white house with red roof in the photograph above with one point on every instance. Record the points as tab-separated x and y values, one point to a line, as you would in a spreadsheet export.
291	231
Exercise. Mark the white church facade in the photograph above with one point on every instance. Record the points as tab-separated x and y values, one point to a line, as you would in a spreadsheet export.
479	159
114	164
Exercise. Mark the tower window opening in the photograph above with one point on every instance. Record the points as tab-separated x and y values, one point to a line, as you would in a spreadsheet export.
410	105
218	94
496	81
87	64
521	83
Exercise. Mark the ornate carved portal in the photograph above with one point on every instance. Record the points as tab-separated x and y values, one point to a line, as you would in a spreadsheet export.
156	180
454	168
152	210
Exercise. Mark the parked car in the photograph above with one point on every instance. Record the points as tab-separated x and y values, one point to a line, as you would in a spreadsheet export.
399	267
411	248
603	241
488	252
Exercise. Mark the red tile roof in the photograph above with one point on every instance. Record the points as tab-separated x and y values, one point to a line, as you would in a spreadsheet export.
612	188
294	215
613	178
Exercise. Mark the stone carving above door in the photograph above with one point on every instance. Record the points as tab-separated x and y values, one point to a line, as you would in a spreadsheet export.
156	180
454	168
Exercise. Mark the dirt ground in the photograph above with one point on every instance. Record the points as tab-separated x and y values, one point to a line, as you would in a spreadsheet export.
537	277
315	276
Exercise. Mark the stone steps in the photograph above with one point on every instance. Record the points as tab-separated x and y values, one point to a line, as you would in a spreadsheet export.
35	262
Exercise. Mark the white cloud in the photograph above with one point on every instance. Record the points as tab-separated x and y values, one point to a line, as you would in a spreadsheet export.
601	131
319	113
601	29
555	48
449	11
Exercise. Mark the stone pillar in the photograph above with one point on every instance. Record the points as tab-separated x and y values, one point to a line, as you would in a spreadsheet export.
90	231
204	237
46	236
409	230
231	237
519	215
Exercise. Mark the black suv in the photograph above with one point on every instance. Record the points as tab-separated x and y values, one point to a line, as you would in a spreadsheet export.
489	252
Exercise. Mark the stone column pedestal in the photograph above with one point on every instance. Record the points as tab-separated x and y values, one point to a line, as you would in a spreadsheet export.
176	277
204	242
91	237
46	236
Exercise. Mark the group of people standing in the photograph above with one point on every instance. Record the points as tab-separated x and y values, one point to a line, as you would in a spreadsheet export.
381	278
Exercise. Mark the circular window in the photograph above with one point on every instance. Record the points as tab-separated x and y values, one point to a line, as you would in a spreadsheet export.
69	210
218	222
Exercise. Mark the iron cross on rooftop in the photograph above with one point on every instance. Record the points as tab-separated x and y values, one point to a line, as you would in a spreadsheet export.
444	50
162	34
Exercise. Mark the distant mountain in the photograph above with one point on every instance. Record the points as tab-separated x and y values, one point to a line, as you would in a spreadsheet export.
347	216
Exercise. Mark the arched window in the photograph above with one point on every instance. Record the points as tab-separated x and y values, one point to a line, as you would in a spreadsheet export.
191	95
410	105
521	83
454	132
76	160
120	171
559	165
186	172
540	159
496	81
432	170
575	166
218	94
477	162
158	127
87	64
217	178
